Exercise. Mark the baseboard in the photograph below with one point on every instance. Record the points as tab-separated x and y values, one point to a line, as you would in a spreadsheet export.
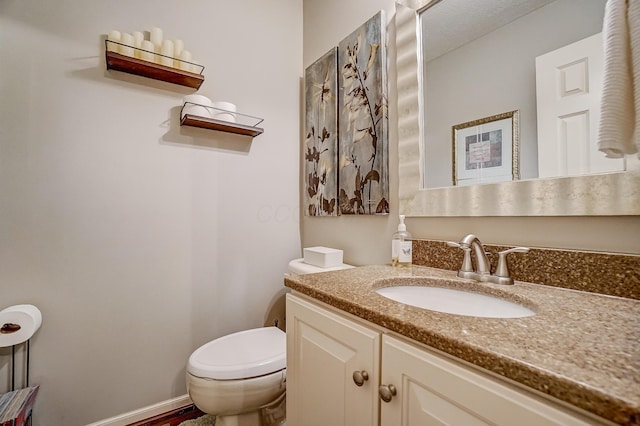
146	412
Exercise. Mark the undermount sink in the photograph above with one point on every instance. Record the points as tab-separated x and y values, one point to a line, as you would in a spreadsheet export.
454	301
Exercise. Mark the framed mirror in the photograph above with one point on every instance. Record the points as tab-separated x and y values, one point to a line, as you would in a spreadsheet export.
427	136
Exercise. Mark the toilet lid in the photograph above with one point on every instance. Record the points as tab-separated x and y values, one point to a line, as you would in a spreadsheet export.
298	267
241	355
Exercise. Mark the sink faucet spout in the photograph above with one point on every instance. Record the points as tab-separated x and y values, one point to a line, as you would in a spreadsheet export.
483	267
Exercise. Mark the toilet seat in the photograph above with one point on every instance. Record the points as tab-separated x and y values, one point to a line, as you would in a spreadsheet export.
241	355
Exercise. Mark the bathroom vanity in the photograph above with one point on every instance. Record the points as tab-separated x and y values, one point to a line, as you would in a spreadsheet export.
355	357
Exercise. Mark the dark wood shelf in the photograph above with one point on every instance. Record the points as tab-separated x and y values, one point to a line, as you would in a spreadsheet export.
119	62
220	125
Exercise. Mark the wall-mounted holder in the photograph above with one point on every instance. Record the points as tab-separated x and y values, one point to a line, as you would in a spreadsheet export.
244	124
18	324
147	68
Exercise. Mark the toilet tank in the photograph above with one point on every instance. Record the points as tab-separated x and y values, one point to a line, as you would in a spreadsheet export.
276	311
299	267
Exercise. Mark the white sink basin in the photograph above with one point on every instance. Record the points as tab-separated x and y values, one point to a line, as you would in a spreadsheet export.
453	301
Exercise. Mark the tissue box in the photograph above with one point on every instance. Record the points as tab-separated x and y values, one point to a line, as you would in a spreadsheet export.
323	257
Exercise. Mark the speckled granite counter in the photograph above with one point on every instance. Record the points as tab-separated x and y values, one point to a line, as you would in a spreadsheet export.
582	348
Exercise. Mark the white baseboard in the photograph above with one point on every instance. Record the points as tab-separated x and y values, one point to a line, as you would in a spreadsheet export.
146	412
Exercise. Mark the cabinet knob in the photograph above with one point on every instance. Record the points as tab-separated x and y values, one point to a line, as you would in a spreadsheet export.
387	392
359	377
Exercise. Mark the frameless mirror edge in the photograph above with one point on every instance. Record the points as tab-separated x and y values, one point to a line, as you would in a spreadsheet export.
593	195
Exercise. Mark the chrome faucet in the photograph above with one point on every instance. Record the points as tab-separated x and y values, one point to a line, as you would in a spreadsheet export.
482	272
483	267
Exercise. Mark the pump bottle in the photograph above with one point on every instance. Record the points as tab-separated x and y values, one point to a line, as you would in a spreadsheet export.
401	246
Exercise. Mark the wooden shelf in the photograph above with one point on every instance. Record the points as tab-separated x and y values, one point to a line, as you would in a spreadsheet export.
220	125
119	62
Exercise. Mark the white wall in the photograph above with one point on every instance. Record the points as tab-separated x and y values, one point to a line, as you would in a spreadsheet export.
366	240
140	240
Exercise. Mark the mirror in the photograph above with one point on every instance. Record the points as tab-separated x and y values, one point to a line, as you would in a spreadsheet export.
427	135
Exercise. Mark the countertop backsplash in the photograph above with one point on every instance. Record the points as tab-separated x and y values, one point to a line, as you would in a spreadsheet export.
605	273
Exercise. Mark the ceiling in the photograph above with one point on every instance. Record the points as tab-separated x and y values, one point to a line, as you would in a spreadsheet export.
449	24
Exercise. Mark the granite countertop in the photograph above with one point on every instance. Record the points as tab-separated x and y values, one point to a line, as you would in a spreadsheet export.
581	348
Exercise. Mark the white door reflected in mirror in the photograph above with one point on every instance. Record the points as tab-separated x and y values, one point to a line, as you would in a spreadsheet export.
568	88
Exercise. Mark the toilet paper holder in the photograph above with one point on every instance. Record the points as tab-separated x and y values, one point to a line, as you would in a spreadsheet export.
18	324
9	327
26	366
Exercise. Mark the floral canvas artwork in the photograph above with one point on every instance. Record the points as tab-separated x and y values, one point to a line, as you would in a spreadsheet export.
363	120
321	136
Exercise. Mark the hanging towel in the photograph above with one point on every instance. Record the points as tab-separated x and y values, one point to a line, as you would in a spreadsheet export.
619	131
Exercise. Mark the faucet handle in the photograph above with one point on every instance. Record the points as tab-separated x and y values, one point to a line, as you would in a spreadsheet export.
515	250
503	267
467	266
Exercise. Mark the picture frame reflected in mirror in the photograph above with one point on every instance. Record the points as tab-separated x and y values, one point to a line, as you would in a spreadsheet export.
486	150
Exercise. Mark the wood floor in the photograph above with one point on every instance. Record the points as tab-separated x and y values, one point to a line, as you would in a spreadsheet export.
172	418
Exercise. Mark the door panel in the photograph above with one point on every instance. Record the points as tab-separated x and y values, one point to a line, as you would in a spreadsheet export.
568	89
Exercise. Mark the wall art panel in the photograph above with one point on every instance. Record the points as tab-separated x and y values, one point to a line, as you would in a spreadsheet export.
363	120
321	137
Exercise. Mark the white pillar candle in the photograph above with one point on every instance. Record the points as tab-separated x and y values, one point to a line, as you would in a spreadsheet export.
155	35
167	53
178	47
127	47
113	36
185	57
137	39
147	51
137	42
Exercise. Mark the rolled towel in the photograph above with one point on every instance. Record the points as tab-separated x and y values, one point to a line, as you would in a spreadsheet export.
619	131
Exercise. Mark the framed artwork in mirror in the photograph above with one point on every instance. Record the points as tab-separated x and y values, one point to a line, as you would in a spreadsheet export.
486	150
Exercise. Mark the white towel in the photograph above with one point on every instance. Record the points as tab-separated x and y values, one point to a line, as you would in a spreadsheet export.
619	131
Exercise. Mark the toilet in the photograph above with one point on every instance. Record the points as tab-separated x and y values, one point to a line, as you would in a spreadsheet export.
241	377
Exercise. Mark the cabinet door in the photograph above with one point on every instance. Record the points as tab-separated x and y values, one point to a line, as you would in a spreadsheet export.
324	349
434	390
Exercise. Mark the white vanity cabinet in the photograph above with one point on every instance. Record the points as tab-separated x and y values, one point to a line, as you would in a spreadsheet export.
433	389
326	347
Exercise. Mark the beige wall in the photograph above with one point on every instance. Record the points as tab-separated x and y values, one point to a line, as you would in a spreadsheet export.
366	240
140	240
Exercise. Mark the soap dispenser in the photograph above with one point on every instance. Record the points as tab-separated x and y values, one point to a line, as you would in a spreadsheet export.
401	246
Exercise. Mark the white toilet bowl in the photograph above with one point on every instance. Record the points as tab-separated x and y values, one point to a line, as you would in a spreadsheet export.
240	378
234	376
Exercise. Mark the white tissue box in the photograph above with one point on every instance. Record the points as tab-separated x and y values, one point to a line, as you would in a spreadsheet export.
323	257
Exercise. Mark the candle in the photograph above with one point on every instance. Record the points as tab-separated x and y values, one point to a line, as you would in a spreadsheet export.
148	46
127	39
178	47
113	36
167	50
137	42
155	35
137	39
185	57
